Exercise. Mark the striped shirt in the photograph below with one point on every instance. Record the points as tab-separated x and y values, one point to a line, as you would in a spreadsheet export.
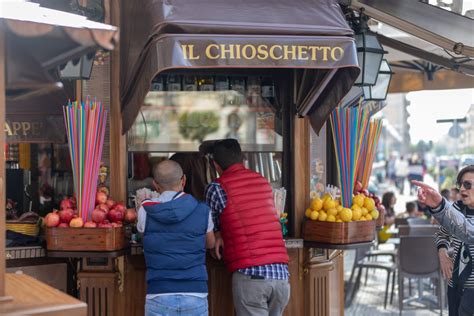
216	198
445	240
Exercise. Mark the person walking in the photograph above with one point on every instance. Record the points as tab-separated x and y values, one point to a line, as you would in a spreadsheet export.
248	231
401	173
176	231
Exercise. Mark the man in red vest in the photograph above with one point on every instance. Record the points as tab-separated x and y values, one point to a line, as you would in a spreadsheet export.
248	231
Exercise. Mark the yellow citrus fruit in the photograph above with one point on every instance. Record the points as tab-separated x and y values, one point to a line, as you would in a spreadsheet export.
328	204
358	200
362	218
374	214
346	214
339	208
314	215
338	220
338	203
322	216
307	213
369	204
368	217
365	211
331	218
316	204
313	194
355	207
327	196
356	214
332	211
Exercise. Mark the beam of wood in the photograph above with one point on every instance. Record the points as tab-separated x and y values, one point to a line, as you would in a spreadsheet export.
2	161
301	172
118	148
406	81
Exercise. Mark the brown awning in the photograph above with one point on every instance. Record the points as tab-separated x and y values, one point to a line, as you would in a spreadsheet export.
177	34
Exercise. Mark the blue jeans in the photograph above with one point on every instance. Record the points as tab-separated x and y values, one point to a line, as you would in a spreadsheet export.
174	305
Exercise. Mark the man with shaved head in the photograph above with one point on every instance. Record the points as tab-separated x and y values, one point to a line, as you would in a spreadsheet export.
176	231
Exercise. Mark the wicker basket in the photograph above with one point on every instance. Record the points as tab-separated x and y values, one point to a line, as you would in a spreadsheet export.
25	228
339	233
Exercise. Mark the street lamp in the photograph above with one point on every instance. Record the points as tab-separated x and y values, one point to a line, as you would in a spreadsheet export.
78	69
369	52
378	92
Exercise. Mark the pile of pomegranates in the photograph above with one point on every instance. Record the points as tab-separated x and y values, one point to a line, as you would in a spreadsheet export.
107	214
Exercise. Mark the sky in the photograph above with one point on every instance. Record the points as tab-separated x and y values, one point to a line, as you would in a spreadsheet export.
428	106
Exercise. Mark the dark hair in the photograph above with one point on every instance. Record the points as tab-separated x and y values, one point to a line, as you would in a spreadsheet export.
410	207
445	193
226	152
387	201
463	171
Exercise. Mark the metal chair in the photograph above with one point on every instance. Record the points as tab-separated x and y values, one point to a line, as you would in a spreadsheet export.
417	221
418	258
400	221
417	230
361	263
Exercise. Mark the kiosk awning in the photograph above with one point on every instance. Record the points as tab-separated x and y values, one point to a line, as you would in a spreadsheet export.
214	34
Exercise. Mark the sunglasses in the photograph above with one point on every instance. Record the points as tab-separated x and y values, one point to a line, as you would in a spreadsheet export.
466	184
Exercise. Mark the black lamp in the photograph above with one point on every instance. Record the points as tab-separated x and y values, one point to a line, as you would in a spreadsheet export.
378	92
78	69
369	52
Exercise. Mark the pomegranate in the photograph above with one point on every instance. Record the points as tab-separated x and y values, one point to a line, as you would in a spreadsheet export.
67	203
52	219
66	215
365	192
115	215
90	224
100	198
63	225
105	224
104	189
110	203
103	207
76	222
98	216
358	186
130	215
121	208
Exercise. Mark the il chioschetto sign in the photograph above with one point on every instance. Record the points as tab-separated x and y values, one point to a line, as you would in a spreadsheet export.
217	51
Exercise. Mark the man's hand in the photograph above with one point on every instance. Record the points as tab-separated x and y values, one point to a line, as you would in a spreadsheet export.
446	263
216	252
427	194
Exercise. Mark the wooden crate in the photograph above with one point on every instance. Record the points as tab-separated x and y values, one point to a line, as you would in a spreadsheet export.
85	239
339	233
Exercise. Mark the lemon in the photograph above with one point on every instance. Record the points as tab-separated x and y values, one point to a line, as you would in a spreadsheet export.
346	214
358	200
327	196
316	204
338	203
313	194
369	204
368	217
314	215
356	207
307	213
322	216
356	214
338	220
328	204
332	211
339	208
374	214
362	218
365	211
331	218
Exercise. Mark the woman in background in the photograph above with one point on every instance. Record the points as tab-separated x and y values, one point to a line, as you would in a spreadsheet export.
388	201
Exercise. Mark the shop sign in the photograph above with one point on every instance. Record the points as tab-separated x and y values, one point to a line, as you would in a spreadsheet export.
216	51
34	129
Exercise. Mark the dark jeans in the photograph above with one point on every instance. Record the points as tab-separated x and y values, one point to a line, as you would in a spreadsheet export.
460	304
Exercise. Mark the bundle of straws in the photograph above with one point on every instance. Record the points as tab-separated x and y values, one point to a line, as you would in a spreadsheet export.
348	128
85	127
368	151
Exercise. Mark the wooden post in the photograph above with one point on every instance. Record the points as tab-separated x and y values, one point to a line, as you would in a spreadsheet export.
301	141
118	148
2	161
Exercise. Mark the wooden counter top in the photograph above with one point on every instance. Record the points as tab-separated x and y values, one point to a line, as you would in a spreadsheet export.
32	297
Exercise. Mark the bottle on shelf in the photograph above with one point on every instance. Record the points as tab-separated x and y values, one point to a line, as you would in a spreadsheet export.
206	83
174	82
253	90
189	83
268	90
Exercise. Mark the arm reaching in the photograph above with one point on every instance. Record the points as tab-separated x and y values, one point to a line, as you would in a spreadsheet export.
451	219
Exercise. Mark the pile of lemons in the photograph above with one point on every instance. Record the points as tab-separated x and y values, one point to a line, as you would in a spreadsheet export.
327	209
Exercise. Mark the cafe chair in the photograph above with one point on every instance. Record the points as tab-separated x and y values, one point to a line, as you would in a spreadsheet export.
361	262
400	221
418	259
418	221
417	230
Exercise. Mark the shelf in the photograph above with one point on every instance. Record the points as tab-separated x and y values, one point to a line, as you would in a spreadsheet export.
314	244
87	254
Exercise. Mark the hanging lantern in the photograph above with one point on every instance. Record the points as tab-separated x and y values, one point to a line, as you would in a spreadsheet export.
78	69
379	91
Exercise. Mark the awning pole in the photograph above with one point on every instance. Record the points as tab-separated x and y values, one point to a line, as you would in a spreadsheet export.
2	161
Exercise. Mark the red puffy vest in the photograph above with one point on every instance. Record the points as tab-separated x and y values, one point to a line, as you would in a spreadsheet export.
250	229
